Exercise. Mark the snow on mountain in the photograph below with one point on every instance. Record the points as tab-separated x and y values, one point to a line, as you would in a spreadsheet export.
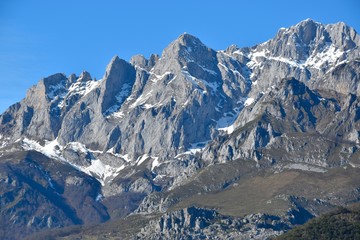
150	128
53	149
229	81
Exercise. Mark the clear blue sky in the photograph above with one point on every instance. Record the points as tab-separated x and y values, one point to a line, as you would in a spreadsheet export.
42	37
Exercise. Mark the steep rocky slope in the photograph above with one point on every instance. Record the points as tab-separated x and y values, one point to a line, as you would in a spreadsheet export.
269	132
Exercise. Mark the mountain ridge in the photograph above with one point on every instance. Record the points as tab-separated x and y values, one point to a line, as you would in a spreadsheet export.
152	128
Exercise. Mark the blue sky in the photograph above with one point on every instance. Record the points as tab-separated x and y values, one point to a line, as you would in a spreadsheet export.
41	37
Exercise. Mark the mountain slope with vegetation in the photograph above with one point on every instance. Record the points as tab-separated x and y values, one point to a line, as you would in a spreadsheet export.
343	223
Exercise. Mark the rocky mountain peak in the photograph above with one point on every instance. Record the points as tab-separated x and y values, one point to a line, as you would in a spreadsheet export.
308	44
84	77
297	42
307	31
151	133
72	78
119	75
53	82
184	50
343	36
188	40
140	61
113	66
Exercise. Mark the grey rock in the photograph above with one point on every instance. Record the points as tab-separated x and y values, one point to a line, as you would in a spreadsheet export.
198	223
154	125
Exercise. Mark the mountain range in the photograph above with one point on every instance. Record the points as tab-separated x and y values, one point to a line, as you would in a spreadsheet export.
231	144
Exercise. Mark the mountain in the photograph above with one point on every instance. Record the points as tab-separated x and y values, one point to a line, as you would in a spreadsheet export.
239	143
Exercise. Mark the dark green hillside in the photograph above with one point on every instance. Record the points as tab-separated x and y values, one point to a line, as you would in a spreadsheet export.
343	223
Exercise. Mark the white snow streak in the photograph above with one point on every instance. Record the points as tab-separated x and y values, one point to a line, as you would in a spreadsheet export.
249	101
141	100
226	123
83	88
155	163
201	83
329	55
52	149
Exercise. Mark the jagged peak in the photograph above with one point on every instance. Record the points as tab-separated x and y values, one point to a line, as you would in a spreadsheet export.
142	62
187	36
300	25
183	50
232	48
341	27
54	79
310	27
344	36
308	38
306	31
114	60
185	44
307	22
72	78
339	24
84	76
138	59
114	65
154	58
187	40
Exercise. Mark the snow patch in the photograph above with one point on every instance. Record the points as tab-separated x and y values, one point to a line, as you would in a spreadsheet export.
123	156
148	106
83	88
212	72
157	78
201	83
249	101
238	52
329	55
53	149
120	97
223	66
141	159
195	148
118	114
354	165
141	99
228	129
101	171
4	141
226	123
144	157
159	177
54	89
155	163
77	147
99	197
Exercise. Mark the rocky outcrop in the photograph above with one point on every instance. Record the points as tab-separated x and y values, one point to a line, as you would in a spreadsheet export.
198	223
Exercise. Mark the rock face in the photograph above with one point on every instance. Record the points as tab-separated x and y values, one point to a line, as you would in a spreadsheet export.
205	224
139	139
38	193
